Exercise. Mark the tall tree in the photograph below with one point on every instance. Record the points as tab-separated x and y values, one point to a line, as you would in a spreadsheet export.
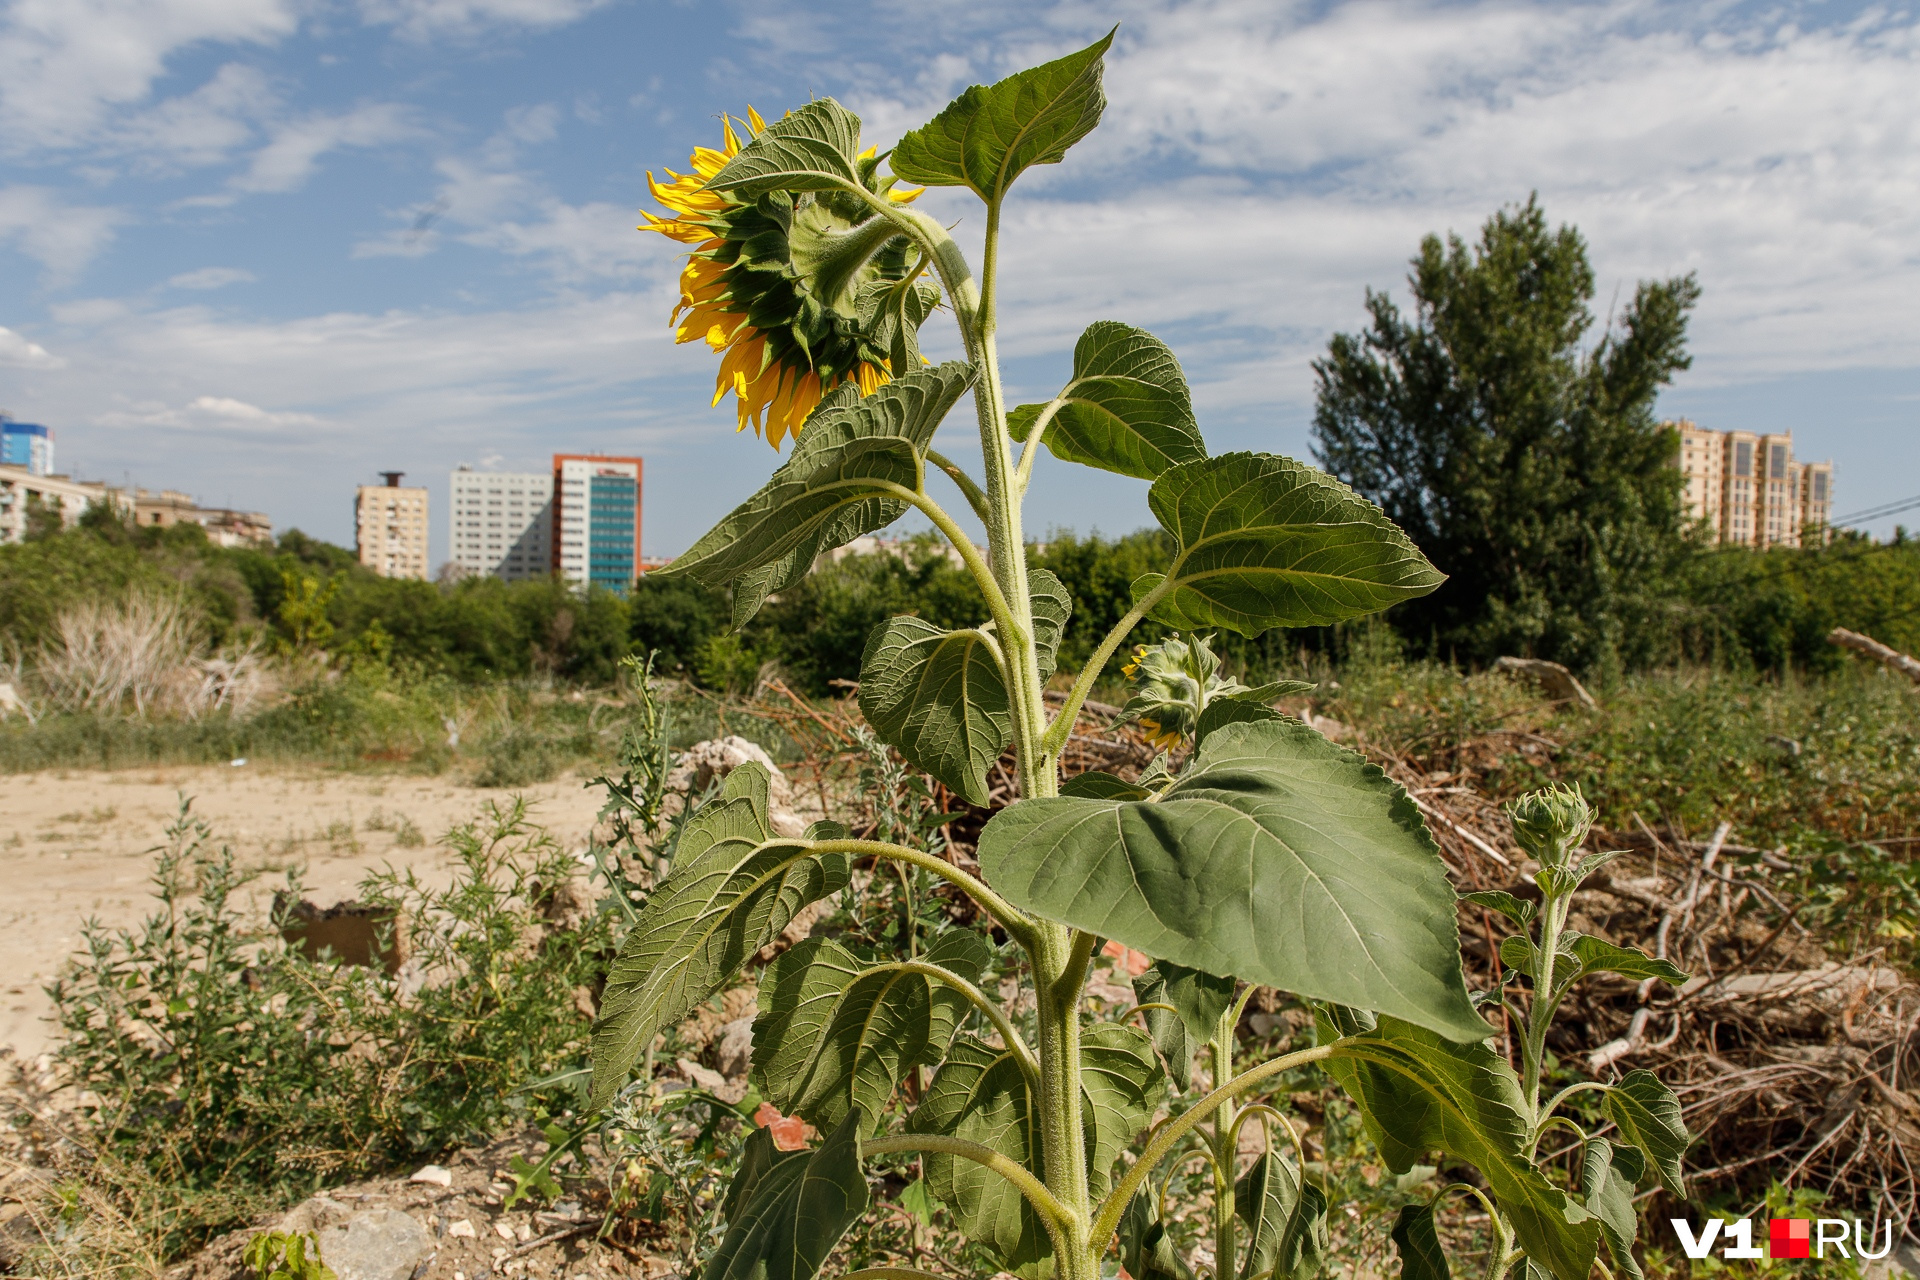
1526	463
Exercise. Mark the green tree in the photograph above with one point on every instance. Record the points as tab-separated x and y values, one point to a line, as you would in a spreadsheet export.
1527	464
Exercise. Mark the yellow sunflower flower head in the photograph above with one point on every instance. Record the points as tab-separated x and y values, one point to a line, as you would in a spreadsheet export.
799	291
1171	683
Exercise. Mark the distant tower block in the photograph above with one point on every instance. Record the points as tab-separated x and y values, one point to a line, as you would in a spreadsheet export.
596	519
390	527
26	444
1748	488
501	523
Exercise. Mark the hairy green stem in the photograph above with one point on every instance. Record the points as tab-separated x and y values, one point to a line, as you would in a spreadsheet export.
1031	450
1226	1131
1029	1066
969	488
1018	924
1062	727
1168	1134
1051	1211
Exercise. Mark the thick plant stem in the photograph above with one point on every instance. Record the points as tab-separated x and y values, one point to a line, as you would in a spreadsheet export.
1060	963
1225	1151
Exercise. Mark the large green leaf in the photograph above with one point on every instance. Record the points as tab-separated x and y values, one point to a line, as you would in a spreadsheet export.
796	1212
1052	606
1607	1177
835	1033
1648	1116
939	697
981	1094
1200	999
830	491
1098	784
1286	1222
1222	712
813	148
1419	1093
1265	541
1126	409
734	887
1278	858
987	136
1421	1257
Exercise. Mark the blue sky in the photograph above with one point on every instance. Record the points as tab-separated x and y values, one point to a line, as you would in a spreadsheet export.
262	249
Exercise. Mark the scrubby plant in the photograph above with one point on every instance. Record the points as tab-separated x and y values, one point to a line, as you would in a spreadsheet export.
1268	858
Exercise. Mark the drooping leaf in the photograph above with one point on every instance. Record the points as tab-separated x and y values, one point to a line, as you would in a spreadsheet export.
1269	692
1418	1093
813	148
1126	409
1596	956
1278	858
1607	1177
835	487
796	1213
939	697
1421	1257
758	1155
893	311
1097	784
1226	711
1648	1116
734	887
1265	542
1286	1221
1518	910
987	136
1052	606
981	1094
835	1033
1145	1250
1201	1000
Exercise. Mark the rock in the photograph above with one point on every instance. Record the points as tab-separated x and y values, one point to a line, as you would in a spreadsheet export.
503	1230
1329	728
433	1174
728	1091
695	771
354	932
375	1244
1554	680
463	1229
314	1215
736	1048
570	906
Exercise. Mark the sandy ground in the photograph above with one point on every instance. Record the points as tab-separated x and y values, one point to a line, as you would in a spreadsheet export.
78	844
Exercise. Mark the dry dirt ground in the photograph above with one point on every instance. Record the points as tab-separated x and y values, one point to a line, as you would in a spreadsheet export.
78	844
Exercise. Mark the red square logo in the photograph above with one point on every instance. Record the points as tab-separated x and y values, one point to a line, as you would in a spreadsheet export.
1790	1238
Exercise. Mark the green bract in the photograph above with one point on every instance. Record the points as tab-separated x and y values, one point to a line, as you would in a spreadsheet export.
1263	856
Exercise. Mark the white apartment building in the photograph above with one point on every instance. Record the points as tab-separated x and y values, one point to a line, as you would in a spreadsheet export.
390	528
502	523
22	490
596	524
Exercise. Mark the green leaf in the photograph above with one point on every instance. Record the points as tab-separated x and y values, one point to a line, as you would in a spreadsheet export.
1225	711
1126	409
1518	952
1607	1177
892	311
939	697
1097	784
1648	1116
830	491
986	137
1596	956
813	148
1421	1257
1518	910
1286	1221
981	1094
835	1033
1145	1250
1419	1093
1201	999
734	887
1265	541
1268	692
1278	858
758	1155
797	1212
1052	606
919	1202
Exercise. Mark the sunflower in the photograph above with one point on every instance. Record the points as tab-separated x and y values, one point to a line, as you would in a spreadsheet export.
798	291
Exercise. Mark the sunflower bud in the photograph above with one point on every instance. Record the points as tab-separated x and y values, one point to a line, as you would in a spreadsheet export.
1552	823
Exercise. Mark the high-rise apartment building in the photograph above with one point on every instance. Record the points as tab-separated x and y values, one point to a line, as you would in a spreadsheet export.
502	523
596	519
1749	488
390	528
27	445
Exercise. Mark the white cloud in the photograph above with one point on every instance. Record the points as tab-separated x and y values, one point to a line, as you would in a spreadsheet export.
66	64
208	413
211	278
294	151
200	128
61	237
17	352
423	19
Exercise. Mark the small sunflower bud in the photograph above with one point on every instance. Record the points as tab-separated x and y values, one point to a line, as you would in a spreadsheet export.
1552	823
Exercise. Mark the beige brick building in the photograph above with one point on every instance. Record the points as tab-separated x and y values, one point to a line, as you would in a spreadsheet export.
1748	487
390	528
